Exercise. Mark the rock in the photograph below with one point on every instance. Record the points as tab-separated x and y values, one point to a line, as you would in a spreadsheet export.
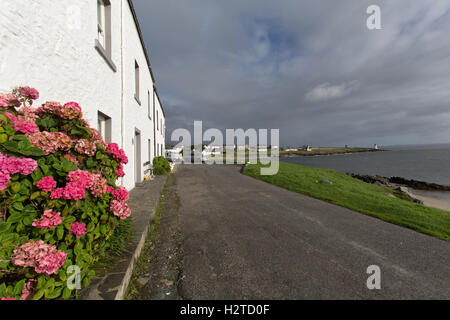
143	280
167	282
390	195
325	181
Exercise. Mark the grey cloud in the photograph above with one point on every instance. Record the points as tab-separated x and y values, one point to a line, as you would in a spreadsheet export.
310	68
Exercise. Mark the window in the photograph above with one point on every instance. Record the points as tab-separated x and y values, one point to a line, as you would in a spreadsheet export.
101	18
103	42
157	120
104	126
136	81
150	105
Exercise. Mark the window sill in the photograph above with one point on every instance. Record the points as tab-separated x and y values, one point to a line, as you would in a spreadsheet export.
137	100
105	56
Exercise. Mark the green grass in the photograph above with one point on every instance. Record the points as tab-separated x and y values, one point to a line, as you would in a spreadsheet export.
118	245
146	255
359	196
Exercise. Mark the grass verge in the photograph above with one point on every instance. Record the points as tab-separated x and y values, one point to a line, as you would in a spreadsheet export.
358	196
118	245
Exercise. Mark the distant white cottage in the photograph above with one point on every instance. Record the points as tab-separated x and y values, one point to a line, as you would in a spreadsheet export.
91	52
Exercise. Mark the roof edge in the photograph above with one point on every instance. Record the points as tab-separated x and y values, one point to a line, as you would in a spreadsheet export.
159	99
138	27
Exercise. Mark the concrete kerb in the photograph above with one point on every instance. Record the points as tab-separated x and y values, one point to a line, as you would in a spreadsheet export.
144	201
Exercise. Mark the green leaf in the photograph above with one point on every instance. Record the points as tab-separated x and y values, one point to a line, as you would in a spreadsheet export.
3	138
67	293
60	232
19	287
28	221
55	294
35	195
39	294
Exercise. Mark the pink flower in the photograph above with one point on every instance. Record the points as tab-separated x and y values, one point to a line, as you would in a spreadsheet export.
48	220
120	173
121	194
117	153
8	298
25	127
52	107
78	229
12	165
57	194
97	138
50	263
42	257
71	110
71	158
22	125
74	191
29	93
109	189
84	146
50	142
28	290
9	100
120	209
99	186
83	178
47	184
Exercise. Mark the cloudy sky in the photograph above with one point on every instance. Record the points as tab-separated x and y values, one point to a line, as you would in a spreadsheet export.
310	68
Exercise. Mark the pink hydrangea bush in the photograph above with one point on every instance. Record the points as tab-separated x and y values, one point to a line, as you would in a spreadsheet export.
60	203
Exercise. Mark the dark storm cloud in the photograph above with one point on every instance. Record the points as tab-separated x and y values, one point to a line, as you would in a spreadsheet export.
310	68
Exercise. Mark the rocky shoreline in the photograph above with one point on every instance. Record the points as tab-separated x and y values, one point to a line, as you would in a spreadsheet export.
312	154
394	182
401	186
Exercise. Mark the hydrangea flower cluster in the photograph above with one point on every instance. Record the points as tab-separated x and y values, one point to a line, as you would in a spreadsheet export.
28	290
9	100
12	165
42	257
120	209
99	186
29	93
22	125
121	194
97	138
120	173
70	110
81	177
78	182
84	146
46	184
48	220
50	142
117	153
78	229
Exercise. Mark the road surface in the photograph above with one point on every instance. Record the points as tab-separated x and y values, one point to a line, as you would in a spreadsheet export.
245	239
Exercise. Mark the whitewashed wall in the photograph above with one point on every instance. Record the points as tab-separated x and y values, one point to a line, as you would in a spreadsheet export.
160	132
49	45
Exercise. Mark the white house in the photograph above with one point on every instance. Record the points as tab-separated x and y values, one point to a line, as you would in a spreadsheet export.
91	52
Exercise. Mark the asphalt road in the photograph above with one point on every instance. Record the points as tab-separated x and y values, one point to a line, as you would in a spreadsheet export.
246	239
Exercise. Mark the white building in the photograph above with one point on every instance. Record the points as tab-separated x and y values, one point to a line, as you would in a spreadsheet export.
91	52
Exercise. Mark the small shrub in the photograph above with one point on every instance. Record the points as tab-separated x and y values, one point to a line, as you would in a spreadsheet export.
161	166
59	202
